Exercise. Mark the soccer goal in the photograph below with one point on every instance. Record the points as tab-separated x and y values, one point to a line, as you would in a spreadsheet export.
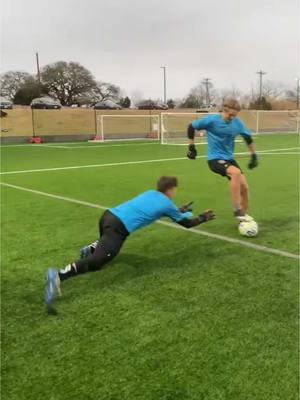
127	127
174	128
277	121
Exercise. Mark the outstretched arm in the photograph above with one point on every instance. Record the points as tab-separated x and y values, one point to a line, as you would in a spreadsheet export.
208	215
186	218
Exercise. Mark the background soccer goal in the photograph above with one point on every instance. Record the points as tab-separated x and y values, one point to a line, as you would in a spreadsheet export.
277	121
127	127
174	125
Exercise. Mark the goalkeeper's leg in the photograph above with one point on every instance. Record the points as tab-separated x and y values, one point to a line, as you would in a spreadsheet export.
106	250
88	250
113	237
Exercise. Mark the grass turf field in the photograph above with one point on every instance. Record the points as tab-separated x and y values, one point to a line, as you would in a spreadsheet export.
178	315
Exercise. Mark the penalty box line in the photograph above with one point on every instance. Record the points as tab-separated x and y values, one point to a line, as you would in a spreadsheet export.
228	239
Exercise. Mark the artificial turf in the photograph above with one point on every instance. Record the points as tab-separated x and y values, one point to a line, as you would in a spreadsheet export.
177	316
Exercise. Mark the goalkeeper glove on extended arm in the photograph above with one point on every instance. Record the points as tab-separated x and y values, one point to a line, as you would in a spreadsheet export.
192	152
186	207
208	215
253	163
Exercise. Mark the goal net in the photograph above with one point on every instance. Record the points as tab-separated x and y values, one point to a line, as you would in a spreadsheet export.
278	122
174	127
127	127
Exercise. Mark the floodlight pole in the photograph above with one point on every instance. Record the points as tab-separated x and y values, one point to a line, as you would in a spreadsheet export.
298	92
38	70
206	83
260	73
164	68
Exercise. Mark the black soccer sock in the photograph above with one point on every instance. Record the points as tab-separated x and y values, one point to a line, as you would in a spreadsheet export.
93	245
67	272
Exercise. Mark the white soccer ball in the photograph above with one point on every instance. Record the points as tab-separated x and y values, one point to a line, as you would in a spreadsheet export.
248	228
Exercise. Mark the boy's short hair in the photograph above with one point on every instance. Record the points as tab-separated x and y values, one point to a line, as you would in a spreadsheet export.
233	104
166	182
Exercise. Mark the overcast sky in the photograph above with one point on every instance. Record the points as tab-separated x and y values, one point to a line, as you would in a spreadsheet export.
126	41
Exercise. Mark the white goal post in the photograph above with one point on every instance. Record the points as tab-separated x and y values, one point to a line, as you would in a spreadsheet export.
112	127
173	126
273	121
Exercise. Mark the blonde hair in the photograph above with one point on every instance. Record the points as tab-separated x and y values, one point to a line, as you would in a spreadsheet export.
233	104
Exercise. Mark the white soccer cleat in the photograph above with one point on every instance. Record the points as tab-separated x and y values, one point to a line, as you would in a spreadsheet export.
244	218
241	217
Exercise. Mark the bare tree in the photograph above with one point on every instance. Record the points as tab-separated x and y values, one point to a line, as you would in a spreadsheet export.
12	81
273	89
67	81
232	92
100	92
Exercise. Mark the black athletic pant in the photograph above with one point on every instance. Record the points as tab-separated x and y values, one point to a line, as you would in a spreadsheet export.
112	237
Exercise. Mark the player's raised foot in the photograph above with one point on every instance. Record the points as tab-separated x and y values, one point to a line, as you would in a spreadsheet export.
242	217
85	251
52	289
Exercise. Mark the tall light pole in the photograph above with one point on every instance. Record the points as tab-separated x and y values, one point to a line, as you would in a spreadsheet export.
38	69
164	68
260	73
298	92
206	83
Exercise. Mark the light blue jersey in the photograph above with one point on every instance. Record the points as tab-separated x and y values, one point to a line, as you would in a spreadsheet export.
147	208
221	135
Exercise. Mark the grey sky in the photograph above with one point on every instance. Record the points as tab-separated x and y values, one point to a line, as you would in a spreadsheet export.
126	41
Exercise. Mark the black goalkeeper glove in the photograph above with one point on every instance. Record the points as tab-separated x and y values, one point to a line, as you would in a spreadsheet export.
186	207
208	215
253	161
192	152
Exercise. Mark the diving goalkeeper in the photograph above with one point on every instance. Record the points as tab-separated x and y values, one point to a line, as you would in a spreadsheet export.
118	223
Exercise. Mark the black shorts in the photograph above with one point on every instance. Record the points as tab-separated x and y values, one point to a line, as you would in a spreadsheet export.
220	166
112	232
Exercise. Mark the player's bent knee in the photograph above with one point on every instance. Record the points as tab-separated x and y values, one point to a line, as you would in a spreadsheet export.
100	258
234	173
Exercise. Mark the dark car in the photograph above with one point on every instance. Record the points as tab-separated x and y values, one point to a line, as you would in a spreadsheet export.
107	105
152	105
5	104
45	103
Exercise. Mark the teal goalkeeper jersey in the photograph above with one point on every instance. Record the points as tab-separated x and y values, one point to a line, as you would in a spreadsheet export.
221	135
147	208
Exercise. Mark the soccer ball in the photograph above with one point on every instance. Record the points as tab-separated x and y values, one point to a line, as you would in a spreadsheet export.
248	228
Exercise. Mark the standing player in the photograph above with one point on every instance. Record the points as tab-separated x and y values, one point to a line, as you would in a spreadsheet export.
222	130
118	223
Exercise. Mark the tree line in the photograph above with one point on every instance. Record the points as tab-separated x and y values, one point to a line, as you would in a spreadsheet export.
69	82
72	83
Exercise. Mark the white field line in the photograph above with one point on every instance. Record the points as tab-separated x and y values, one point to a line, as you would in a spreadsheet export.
93	165
280	153
77	145
287	148
116	164
248	244
52	146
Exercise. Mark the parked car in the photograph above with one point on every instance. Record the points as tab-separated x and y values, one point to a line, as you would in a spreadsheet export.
5	104
152	105
207	109
107	105
45	103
